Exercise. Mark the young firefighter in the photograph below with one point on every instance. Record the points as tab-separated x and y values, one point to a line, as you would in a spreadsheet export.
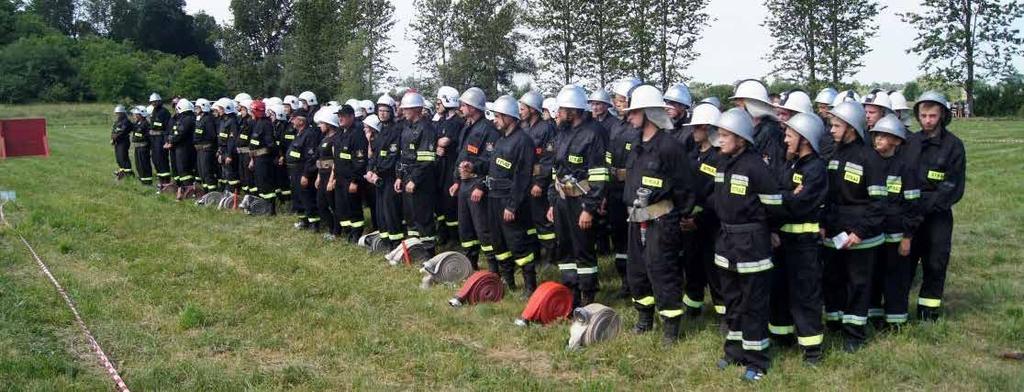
140	142
245	124
894	271
381	173
349	167
327	120
284	135
206	147
853	219
508	182
941	172
744	191
476	141
752	96
658	195
796	284
263	155
580	177
227	141
181	142
620	139
543	135
119	138
416	171
301	159
161	122
448	125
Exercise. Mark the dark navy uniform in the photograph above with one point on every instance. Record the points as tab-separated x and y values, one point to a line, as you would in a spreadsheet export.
159	131
301	159
349	167
227	149
263	153
418	165
476	144
447	207
140	142
324	197
621	139
206	151
384	162
182	140
508	183
543	135
120	137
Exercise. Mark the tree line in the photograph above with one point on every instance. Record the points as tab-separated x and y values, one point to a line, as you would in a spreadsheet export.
85	50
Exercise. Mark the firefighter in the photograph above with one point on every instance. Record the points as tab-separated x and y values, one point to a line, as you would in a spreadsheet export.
181	143
899	106
448	124
284	135
417	180
140	142
700	228
205	140
853	218
894	272
120	138
227	141
679	102
743	195
349	168
476	142
310	105
793	102
941	172
876	106
158	133
752	96
657	191
245	125
508	182
382	169
543	135
301	160
327	120
620	141
262	156
580	176
796	279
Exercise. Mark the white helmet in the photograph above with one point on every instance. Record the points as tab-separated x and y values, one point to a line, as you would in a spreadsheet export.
137	110
713	101
449	96
846	96
149	110
826	96
507	105
646	96
229	106
898	101
386	100
704	114
293	101
328	115
367	105
184	106
247	105
533	100
551	105
372	121
679	93
412	100
273	101
243	97
203	104
625	86
309	97
796	101
474	97
878	98
278	110
354	104
119	109
154	97
751	89
600	95
737	121
572	97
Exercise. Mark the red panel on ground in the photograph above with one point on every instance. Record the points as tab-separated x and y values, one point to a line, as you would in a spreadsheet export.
23	137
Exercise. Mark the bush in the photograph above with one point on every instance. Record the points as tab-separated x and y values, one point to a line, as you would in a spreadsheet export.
38	68
195	80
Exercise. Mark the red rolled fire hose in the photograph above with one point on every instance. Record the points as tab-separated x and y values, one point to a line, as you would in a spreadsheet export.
551	302
482	286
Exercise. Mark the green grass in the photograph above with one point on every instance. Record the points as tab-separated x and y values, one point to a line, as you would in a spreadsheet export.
183	298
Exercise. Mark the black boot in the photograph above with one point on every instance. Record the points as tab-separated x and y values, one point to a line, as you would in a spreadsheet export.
492	264
925	313
645	321
529	282
509	276
671	326
587	297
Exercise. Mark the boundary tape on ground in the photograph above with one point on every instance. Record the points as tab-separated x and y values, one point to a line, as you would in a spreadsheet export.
96	349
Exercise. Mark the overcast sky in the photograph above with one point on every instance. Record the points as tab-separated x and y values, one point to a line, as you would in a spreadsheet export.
732	47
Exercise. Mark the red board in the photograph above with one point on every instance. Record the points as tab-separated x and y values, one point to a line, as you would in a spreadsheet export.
23	137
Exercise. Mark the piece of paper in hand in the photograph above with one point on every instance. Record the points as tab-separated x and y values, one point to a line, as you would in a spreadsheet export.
840	240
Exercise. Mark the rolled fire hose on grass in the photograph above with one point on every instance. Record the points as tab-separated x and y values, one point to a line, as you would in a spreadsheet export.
482	286
372	242
551	302
591	324
210	199
228	202
409	251
446	267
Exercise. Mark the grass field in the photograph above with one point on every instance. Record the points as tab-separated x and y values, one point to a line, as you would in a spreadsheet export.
183	298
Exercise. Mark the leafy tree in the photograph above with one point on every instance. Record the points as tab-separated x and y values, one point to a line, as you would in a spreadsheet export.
431	31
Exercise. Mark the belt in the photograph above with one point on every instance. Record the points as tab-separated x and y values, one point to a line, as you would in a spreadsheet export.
591	324
324	164
204	146
536	169
550	302
446	267
743	228
482	286
566	190
497	184
243	150
800	228
156	133
468	177
651	212
140	144
260	152
620	175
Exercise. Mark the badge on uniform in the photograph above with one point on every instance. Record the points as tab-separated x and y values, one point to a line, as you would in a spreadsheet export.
490	147
798	178
738	184
472	149
503	163
393	148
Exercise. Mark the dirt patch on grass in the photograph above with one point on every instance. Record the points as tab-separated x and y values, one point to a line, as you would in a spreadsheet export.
537	363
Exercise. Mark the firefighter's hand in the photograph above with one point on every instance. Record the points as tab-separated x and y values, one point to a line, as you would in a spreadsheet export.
330	185
440	150
410	186
228	160
509	216
220	159
585	220
371	177
304	182
905	247
603	209
398	185
535	191
776	241
444	142
852	241
799	188
167	146
476	195
316	184
280	161
252	164
551	214
688	224
452	190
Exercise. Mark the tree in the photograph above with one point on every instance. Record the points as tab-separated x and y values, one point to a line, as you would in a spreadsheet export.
375	20
312	48
38	68
253	45
960	38
661	38
796	29
431	31
604	42
559	26
488	51
59	14
847	26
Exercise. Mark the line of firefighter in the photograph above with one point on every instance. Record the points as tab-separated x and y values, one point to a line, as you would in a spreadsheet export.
782	210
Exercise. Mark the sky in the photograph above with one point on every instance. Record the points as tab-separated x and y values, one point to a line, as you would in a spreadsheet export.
732	48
